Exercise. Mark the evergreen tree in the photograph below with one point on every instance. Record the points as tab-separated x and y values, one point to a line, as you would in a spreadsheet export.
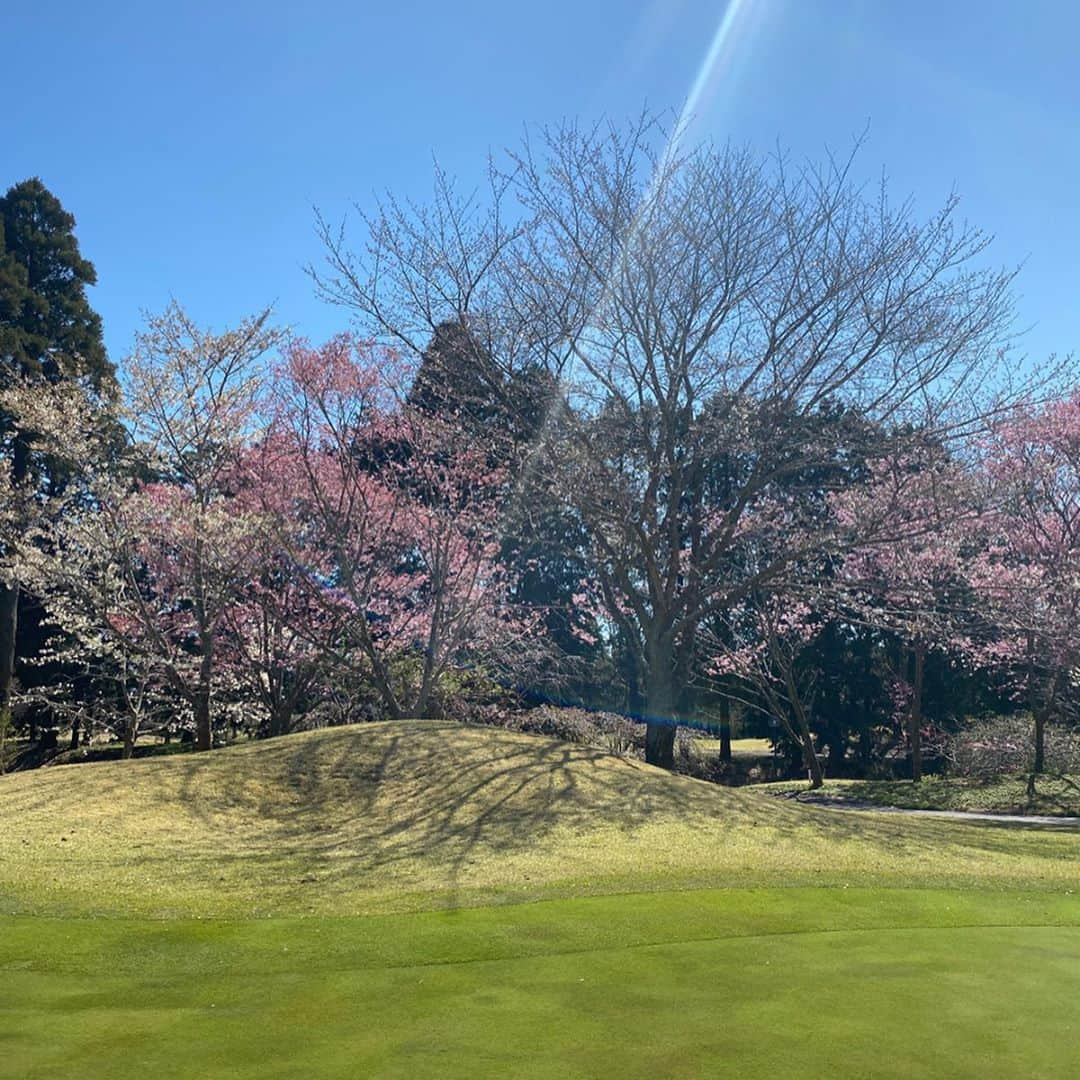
14	296
459	381
48	330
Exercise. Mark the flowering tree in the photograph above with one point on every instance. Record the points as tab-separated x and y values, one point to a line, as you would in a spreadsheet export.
277	637
906	577
694	305
53	418
390	517
103	684
1028	573
760	650
192	405
49	335
97	681
145	566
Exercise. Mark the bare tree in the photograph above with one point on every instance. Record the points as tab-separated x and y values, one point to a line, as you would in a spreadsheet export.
697	305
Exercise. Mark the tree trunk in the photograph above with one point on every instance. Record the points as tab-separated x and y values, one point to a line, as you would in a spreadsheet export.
725	730
203	730
280	718
804	735
660	723
75	725
1038	706
129	740
9	595
9	624
1040	742
422	705
203	733
810	758
660	743
915	712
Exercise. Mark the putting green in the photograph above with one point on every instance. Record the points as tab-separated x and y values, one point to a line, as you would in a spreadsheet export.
749	983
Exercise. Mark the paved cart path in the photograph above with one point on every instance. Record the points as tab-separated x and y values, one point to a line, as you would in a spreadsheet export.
1040	821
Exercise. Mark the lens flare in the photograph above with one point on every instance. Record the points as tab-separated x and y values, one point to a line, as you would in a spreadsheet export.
720	54
719	59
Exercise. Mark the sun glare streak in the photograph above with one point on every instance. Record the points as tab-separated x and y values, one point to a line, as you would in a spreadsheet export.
721	48
716	53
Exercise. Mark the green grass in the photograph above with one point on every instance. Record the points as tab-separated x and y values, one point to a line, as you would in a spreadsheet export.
748	983
740	748
422	900
1057	796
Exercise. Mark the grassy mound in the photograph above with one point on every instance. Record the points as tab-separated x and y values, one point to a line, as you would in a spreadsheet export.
405	816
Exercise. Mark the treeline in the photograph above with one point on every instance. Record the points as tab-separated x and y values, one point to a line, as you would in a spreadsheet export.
686	436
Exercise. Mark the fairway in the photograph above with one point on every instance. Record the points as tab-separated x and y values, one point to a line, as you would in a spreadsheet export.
491	904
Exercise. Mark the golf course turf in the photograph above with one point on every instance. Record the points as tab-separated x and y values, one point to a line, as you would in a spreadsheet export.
414	900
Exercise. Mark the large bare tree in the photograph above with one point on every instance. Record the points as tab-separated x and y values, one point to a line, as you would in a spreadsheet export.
698	305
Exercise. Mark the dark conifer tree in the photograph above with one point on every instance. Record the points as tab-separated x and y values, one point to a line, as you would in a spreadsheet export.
49	331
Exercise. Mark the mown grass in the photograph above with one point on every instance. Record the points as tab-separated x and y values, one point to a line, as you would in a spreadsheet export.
423	900
1056	796
740	748
747	983
393	817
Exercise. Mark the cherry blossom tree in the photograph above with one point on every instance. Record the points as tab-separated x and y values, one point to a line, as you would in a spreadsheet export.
1028	572
760	649
276	636
904	573
145	566
100	684
62	417
391	516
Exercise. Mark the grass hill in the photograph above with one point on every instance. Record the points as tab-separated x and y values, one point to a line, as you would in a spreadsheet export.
413	815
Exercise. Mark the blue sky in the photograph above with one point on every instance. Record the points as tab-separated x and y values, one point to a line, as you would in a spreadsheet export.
192	140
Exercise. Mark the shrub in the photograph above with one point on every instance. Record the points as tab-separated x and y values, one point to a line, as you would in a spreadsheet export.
1005	744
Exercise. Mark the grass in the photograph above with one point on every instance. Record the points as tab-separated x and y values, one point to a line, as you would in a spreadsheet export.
423	900
398	817
731	983
740	748
10	749
1055	796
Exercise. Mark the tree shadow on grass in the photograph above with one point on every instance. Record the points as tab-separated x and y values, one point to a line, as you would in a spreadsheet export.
384	797
382	800
422	805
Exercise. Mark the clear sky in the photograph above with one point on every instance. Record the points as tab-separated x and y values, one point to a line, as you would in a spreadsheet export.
192	139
